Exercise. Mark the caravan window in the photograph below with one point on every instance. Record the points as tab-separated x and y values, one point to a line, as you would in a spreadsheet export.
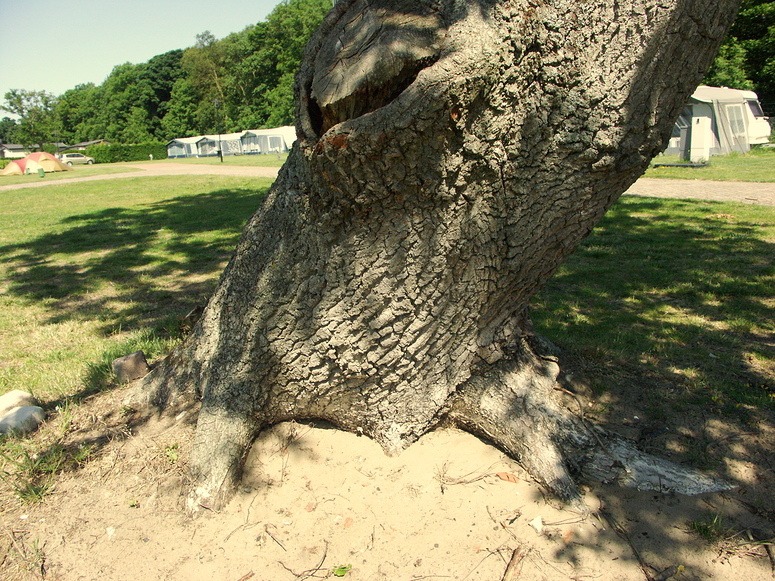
176	150
682	123
736	121
755	108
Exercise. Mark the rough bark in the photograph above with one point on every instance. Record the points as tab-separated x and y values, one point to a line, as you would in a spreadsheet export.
451	154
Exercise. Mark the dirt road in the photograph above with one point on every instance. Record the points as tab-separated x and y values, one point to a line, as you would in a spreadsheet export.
744	192
160	169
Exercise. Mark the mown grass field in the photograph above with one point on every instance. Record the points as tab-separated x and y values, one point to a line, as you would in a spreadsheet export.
95	270
666	308
675	295
269	160
83	171
80	171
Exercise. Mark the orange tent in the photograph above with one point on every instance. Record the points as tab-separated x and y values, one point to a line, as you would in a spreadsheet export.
47	161
32	163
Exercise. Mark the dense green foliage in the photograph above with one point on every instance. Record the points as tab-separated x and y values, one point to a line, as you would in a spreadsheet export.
115	152
243	81
755	26
728	70
747	58
7	130
36	111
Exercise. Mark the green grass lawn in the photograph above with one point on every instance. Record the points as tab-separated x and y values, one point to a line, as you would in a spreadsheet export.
676	295
756	166
82	171
95	270
667	307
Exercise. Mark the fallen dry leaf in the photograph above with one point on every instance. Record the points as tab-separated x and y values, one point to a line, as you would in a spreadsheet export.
507	476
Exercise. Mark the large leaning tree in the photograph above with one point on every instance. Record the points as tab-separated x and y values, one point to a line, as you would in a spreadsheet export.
450	155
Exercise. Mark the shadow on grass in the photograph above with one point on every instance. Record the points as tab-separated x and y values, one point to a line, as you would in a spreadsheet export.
137	269
668	283
134	267
666	314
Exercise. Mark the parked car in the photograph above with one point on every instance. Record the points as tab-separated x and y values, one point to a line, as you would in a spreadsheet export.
75	158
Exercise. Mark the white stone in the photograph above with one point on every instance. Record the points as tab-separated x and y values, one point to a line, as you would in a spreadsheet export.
538	524
22	420
14	399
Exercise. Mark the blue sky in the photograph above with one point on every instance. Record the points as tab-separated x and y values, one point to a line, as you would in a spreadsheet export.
54	45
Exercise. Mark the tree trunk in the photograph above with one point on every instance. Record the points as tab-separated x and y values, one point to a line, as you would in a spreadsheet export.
451	154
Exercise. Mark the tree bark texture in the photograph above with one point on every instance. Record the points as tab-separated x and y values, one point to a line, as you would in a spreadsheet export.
451	154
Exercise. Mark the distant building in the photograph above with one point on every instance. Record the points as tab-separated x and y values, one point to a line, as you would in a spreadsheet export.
18	151
13	151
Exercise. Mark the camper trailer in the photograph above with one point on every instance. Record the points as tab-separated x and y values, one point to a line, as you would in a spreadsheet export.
718	121
277	140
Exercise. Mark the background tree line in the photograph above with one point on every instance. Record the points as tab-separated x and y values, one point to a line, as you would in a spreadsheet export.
245	81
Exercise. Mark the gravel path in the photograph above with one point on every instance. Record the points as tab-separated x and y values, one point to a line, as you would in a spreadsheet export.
745	192
161	169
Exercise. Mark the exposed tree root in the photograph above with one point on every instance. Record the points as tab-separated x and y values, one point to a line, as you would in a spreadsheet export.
221	445
513	403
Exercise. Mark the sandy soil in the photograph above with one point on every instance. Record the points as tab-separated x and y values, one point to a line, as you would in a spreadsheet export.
315	499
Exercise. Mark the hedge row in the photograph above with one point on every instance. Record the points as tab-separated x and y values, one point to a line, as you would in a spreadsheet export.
121	152
4	162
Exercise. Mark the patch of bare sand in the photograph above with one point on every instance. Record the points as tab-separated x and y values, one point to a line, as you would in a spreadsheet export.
313	499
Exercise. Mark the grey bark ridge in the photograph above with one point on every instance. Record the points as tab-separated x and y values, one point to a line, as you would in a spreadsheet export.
450	156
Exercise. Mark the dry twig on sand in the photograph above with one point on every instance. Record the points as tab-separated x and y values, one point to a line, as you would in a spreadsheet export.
514	569
309	572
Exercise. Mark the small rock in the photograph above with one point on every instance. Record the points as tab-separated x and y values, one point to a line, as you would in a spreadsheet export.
14	399
22	419
130	367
